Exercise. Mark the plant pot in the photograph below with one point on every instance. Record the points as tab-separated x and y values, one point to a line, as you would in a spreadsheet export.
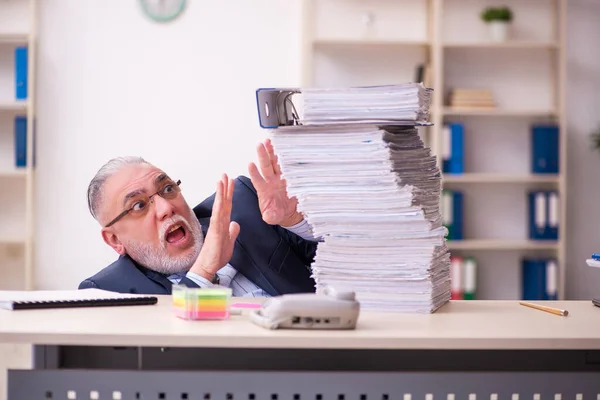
498	31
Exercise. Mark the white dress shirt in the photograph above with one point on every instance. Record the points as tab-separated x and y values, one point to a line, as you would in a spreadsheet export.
239	284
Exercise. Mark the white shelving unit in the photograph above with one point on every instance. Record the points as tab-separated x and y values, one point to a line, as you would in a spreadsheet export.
17	28
356	42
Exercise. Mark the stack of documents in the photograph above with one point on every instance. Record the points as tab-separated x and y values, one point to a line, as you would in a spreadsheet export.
407	103
371	193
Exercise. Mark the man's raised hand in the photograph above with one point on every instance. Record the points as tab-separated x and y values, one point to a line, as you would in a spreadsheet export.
275	205
221	235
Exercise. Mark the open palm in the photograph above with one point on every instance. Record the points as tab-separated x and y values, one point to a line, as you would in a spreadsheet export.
222	233
275	205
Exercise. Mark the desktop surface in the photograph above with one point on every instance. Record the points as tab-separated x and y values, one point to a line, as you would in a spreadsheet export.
469	324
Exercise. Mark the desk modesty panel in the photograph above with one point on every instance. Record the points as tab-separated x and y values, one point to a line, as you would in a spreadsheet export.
492	325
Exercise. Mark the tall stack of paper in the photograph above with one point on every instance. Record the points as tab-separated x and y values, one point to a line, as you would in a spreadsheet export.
372	193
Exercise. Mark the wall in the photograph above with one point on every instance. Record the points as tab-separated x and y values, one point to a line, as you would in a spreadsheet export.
583	103
111	82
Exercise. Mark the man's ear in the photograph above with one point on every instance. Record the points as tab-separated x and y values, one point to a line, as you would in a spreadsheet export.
111	239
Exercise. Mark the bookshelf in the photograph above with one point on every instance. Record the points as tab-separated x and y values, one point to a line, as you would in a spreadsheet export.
353	42
17	29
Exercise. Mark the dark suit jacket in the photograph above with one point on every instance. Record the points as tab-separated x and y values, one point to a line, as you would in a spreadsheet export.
272	257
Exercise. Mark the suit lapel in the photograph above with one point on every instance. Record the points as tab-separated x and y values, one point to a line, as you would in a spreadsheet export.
159	279
154	276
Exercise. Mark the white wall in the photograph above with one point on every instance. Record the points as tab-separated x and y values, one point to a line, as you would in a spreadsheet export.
583	109
111	82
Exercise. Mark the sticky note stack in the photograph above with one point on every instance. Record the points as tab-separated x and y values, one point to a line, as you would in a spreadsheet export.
198	303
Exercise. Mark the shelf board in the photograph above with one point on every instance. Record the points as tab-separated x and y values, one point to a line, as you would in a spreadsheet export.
13	172
503	45
14	38
501	244
496	112
369	42
13	105
6	239
499	178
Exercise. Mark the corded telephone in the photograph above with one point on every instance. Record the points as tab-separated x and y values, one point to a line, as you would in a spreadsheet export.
329	309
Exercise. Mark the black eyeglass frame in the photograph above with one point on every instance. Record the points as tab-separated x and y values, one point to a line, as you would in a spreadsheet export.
127	211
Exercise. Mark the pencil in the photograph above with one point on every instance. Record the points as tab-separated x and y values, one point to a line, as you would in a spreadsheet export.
552	310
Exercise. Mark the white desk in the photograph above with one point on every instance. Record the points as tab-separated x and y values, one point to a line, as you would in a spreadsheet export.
479	340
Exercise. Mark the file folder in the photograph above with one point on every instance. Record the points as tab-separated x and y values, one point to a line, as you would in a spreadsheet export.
545	149
469	278
533	279
551	280
20	132
382	105
456	273
452	209
544	215
21	73
553	215
539	279
453	148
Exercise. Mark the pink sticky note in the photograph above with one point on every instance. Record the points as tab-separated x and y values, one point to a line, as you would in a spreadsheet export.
245	305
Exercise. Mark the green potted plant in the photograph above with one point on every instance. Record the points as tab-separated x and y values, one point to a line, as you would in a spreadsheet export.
498	20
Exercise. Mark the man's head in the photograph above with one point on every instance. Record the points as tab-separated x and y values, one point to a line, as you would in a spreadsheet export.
143	214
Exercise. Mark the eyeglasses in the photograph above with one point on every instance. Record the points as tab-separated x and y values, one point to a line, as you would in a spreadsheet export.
141	202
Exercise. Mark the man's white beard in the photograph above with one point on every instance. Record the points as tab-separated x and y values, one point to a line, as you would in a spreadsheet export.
157	259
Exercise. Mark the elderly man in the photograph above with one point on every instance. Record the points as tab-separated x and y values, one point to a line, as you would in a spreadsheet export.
248	235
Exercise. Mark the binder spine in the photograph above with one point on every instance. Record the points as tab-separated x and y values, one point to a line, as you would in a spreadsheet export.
456	277
457	161
551	280
553	215
446	148
538	215
533	272
20	132
452	214
447	212
453	148
457	211
470	278
21	73
545	149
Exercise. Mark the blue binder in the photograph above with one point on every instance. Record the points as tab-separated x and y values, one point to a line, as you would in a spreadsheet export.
20	131
453	161
21	73
553	215
453	214
539	279
544	212
545	149
457	211
537	215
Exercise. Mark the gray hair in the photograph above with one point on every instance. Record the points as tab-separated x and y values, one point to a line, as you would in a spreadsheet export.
96	188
